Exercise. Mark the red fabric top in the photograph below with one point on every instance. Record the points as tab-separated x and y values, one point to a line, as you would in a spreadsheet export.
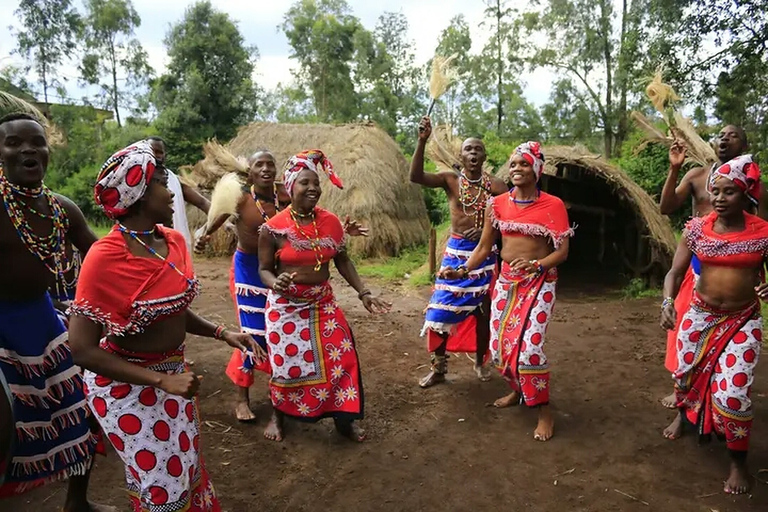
127	293
545	217
743	249
298	249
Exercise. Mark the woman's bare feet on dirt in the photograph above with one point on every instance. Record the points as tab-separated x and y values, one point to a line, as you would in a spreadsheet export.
675	429
739	481
243	412
507	401
274	430
483	373
670	401
546	427
431	379
350	430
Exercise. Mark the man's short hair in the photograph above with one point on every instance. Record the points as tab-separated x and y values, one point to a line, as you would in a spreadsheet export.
16	116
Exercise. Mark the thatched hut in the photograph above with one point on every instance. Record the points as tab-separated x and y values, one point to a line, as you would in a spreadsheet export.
620	230
377	191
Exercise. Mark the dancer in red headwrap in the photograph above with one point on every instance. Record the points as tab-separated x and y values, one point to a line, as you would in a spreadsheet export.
719	336
315	371
535	234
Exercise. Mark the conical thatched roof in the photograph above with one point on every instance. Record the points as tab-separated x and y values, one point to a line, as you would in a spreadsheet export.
377	191
660	235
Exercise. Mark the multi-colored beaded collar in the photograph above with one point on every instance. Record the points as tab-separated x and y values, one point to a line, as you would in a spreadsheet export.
257	200
135	235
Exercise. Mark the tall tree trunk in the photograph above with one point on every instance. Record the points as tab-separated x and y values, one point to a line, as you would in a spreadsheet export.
499	69
113	61
623	79
605	26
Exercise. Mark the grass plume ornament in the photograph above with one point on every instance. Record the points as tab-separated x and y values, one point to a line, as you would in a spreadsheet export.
664	100
443	75
219	161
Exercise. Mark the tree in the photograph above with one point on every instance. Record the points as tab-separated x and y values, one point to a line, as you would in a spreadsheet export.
456	39
322	36
602	56
207	91
113	53
50	30
566	118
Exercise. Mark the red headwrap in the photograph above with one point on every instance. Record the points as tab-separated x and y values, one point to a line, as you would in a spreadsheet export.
531	151
124	178
312	159
743	172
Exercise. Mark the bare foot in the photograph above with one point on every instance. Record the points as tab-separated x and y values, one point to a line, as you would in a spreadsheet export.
274	430
507	401
675	429
350	430
483	373
244	413
546	427
739	481
670	401
431	379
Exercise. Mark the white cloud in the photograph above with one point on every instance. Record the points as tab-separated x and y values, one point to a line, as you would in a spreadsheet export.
258	21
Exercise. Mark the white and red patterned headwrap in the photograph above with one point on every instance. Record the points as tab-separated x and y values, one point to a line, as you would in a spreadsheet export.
312	159
743	172
531	151
124	178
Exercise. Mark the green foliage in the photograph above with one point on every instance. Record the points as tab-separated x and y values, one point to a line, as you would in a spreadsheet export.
114	57
207	91
49	35
638	289
396	269
648	168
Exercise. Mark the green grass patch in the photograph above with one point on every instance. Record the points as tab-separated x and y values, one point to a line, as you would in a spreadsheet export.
397	268
411	266
637	289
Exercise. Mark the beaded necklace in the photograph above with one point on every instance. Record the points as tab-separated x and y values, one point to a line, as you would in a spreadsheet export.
135	235
258	201
314	242
517	202
50	249
475	204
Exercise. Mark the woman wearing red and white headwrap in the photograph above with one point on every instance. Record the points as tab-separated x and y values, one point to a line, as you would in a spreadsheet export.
720	335
315	370
534	241
128	324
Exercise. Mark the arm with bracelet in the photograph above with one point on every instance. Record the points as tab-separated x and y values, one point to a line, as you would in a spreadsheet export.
672	282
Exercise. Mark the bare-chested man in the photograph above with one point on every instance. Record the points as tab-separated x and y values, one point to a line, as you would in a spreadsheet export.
457	318
53	435
731	142
262	198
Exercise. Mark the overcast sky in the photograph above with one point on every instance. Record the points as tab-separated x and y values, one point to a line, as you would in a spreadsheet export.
258	21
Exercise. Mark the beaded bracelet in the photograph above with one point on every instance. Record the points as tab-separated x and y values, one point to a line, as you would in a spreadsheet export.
219	332
363	294
668	301
464	268
538	265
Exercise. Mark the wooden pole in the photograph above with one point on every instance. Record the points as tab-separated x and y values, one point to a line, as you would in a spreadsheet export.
432	252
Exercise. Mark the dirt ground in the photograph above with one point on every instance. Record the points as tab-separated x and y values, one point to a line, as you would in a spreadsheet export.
444	449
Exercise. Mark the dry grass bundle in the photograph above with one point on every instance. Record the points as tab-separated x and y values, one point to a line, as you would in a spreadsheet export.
444	149
217	161
663	99
377	191
225	196
443	75
222	243
10	104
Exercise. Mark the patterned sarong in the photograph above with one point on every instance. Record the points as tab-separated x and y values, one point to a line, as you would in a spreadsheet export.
315	370
521	307
250	297
53	438
157	436
450	310
682	303
717	353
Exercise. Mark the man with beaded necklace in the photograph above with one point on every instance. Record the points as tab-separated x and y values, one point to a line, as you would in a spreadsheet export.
54	437
458	311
